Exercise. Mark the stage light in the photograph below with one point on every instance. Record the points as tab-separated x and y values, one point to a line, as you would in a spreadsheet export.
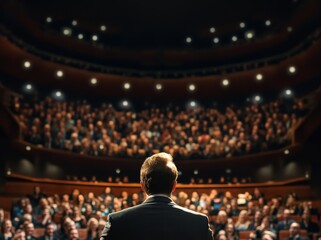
191	87
127	86
59	74
93	81
286	152
249	34
29	87
259	77
234	38
288	92
212	30
80	36
158	86
267	23
216	40
66	31
195	172
103	28
242	25
58	94
74	22
192	104
26	64
188	39
257	98
125	103
28	148
292	69
9	172
225	82
118	171
290	29
94	38
48	19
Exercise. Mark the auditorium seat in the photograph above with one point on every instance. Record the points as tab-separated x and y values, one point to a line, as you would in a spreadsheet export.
38	232
82	233
244	235
285	233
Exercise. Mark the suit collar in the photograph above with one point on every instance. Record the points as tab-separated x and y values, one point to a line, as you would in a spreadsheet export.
158	198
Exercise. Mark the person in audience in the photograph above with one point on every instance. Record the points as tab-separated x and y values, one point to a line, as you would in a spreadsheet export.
221	221
92	229
29	229
230	232
79	219
1	217
50	233
19	235
265	225
45	218
286	221
307	224
73	234
267	235
294	232
243	222
257	220
7	231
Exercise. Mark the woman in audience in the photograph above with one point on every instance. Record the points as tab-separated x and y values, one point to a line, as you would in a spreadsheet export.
7	231
92	229
78	218
243	222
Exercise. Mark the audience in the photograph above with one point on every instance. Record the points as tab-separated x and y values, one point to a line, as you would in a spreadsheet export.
69	217
195	133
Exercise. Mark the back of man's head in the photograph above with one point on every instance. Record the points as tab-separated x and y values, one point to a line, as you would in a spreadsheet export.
158	174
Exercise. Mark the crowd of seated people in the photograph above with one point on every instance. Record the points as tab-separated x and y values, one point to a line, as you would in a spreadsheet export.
78	215
186	133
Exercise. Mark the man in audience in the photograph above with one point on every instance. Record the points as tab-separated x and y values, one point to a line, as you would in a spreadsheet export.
49	233
157	217
286	222
294	232
29	229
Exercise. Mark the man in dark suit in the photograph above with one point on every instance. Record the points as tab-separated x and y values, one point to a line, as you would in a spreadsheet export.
158	217
295	232
286	222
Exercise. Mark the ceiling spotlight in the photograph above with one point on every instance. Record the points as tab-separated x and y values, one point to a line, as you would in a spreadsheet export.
225	82
242	25
28	148
58	94
103	28
267	23
125	103
93	81
26	64
191	87
117	170
59	73
288	92
289	28
292	69
234	38
127	86
257	98
74	23
48	19
195	172
67	31
216	40
80	36
28	86
188	39
192	103
249	34
259	77
212	30
94	38
286	151
158	86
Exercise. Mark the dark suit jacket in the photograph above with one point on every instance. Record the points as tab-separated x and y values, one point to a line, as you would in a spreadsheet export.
158	218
